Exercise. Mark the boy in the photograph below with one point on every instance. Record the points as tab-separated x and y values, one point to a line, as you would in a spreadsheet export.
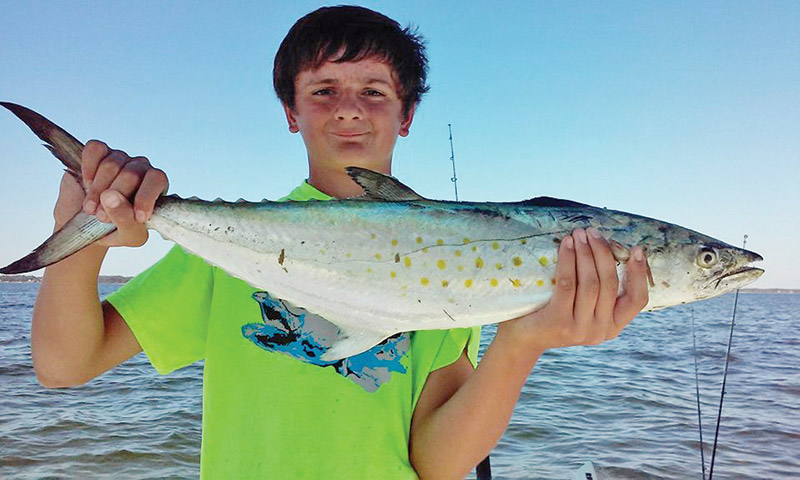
349	80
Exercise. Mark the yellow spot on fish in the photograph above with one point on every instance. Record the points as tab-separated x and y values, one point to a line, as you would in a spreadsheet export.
445	283
517	261
372	236
460	268
474	248
465	240
419	239
394	242
369	270
458	253
407	261
493	282
515	282
495	245
393	274
440	242
322	252
425	250
523	241
468	282
348	255
424	280
498	266
441	264
479	262
543	261
540	283
377	256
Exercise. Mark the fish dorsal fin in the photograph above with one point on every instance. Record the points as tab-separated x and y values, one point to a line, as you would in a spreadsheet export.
553	202
378	186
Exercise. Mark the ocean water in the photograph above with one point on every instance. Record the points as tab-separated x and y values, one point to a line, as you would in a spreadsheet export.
628	405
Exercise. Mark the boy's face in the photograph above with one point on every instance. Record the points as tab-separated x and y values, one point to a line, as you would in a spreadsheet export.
349	114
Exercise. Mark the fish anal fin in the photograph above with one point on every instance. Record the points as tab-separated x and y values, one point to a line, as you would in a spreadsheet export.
378	186
351	342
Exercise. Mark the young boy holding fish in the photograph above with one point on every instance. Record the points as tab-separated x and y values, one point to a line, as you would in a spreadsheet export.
349	80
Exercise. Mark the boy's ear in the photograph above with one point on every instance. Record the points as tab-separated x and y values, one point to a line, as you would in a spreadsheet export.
405	125
291	119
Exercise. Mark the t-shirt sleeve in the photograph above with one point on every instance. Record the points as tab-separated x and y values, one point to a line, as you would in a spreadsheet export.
167	308
454	343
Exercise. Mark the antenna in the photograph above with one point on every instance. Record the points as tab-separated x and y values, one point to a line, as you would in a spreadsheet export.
453	179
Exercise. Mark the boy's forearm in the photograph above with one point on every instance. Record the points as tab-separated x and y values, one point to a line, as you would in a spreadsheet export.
68	325
459	434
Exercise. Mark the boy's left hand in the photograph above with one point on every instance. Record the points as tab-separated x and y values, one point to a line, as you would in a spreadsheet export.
584	308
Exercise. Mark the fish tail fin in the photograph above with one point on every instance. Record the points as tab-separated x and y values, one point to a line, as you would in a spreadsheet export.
82	230
61	144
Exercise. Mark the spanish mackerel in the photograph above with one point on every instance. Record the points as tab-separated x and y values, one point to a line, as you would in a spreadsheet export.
393	261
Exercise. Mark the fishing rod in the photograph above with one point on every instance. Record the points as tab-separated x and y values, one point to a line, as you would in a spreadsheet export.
697	390
453	179
724	379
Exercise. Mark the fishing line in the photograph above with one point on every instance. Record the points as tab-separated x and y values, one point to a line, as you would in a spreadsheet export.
697	389
724	376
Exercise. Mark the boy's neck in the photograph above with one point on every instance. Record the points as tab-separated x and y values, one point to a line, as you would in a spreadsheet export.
336	182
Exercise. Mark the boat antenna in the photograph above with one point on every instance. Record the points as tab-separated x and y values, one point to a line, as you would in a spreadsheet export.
724	376
453	179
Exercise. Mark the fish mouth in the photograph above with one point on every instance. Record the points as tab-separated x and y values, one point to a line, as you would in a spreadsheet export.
743	275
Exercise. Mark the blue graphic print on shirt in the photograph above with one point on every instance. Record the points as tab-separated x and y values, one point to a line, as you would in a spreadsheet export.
298	333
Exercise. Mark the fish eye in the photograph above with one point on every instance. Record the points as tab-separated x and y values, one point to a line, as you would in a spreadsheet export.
707	258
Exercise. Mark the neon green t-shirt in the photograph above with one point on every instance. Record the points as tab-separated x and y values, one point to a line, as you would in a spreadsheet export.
271	408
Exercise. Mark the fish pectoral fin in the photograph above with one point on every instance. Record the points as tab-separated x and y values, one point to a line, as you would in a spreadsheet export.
378	186
352	342
82	230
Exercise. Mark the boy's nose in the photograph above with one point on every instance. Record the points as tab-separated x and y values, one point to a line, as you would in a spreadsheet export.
348	108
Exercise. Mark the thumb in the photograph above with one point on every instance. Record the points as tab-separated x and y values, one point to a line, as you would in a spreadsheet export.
120	211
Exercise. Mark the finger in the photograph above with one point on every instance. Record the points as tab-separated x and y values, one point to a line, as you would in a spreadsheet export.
563	300
153	186
120	212
606	266
93	153
635	297
104	176
130	177
588	284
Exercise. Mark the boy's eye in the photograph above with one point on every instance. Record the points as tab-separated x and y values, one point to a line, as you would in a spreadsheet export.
373	93
323	91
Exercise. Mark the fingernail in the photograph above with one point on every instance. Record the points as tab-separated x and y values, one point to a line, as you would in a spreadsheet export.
593	232
638	255
568	241
101	215
89	207
111	200
581	235
140	216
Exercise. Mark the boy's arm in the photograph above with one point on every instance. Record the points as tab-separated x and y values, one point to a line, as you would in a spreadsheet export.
74	337
462	415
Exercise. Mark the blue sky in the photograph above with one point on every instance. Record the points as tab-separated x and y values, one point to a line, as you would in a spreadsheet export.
684	111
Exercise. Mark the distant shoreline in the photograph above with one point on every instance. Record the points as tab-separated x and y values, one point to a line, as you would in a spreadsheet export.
122	279
35	279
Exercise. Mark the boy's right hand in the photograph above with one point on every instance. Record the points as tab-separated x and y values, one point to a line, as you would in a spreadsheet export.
113	179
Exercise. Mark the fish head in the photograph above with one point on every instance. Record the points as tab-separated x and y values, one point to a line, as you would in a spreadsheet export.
697	269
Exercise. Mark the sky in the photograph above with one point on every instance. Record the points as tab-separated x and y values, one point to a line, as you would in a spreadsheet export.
687	112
